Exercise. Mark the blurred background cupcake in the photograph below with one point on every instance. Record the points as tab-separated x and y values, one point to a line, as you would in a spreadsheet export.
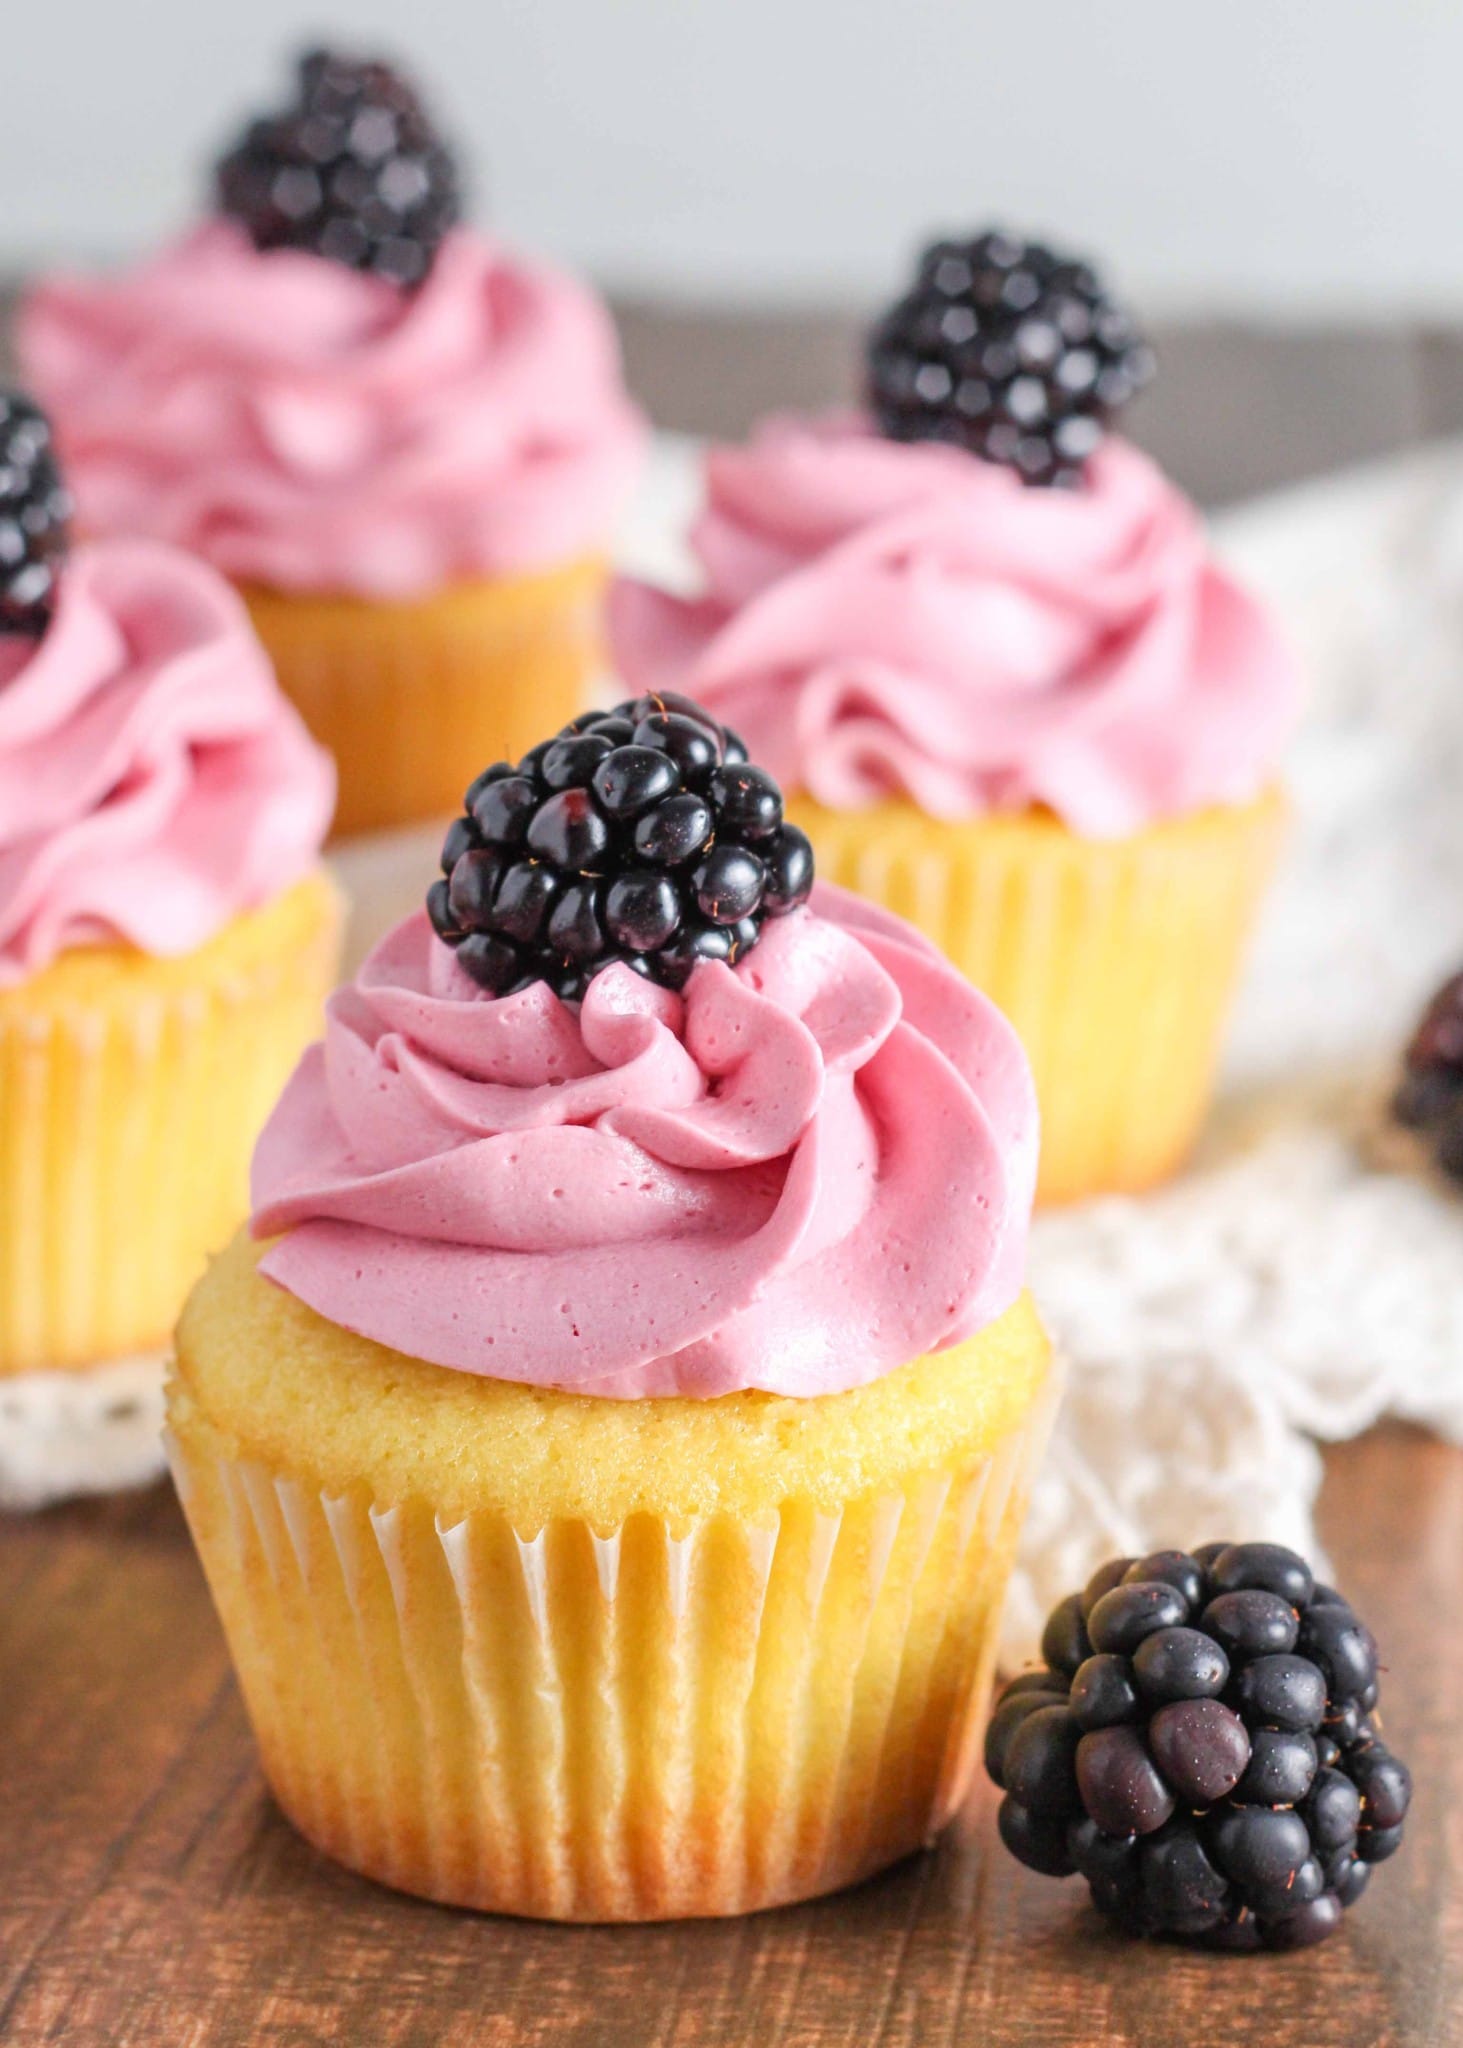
404	443
627	1418
167	937
982	639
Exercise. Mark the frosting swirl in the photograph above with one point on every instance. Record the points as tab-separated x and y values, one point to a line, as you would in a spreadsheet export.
882	617
311	427
153	780
798	1175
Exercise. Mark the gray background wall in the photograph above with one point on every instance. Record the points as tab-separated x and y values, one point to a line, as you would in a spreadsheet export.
1277	183
1282	154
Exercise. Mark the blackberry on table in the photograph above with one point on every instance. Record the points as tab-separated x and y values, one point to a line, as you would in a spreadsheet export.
1202	1748
1252	1623
641	835
1104	1692
1119	1784
1282	1767
352	169
1180	1664
1122	1618
1009	349
1429	1098
1211	1767
35	514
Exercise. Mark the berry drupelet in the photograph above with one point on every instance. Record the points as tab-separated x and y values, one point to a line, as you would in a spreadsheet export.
1430	1097
1009	350
1200	1747
641	834
35	511
352	169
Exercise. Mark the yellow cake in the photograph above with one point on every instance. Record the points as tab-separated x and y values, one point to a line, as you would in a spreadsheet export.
132	1088
1116	959
587	1659
412	695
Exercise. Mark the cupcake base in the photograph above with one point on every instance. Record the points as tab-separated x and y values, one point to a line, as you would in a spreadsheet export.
1115	959
67	1433
414	697
577	1659
131	1092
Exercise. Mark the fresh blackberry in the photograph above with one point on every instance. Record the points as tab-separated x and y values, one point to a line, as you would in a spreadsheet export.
351	169
1430	1097
1211	1768
35	510
641	834
1010	350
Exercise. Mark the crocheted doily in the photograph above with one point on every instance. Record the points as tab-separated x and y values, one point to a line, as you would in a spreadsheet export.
65	1433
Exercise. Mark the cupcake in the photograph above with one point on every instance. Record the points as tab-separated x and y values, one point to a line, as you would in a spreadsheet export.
405	444
167	938
607	1455
982	642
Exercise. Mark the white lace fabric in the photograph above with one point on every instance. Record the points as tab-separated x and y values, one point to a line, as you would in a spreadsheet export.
69	1433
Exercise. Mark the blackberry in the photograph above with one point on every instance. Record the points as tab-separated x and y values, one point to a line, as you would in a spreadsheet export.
351	169
1006	348
1429	1099
641	834
1210	1767
35	510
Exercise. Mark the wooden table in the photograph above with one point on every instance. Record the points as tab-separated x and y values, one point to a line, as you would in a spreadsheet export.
150	1893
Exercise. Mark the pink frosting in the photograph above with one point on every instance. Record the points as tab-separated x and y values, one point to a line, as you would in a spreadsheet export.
309	427
886	618
153	781
800	1174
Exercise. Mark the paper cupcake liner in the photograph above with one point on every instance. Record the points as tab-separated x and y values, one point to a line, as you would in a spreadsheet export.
1115	960
640	1723
68	1433
131	1092
414	698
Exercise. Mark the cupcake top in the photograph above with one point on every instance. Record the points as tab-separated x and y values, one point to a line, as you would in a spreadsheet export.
328	386
893	604
153	781
794	1162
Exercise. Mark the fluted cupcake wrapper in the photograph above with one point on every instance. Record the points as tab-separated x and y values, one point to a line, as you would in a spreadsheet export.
640	1723
414	697
129	1105
1115	959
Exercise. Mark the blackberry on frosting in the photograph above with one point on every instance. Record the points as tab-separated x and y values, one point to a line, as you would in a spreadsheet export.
641	834
35	513
351	169
1009	349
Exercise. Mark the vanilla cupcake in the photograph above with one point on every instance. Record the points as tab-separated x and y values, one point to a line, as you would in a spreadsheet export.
167	937
1018	701
404	443
608	1457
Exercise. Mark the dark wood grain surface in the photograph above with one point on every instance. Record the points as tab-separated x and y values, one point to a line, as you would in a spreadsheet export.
151	1895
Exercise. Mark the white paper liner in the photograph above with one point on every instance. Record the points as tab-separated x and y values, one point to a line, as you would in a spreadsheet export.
564	1723
68	1433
